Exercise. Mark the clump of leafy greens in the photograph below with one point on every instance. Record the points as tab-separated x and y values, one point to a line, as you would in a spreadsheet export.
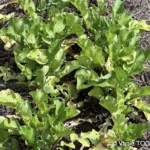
109	43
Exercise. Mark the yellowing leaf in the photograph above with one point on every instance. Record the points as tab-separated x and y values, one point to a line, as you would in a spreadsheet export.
8	42
109	65
139	25
4	18
143	106
71	144
99	146
9	98
147	115
39	55
106	140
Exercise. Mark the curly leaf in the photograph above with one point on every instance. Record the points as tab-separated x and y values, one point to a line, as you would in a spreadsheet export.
41	100
141	91
29	6
60	110
139	25
49	86
82	6
74	24
91	50
71	110
84	78
93	136
24	110
120	124
71	144
143	106
134	131
118	8
14	100
69	67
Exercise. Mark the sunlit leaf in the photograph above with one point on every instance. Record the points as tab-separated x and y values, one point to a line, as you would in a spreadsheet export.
39	55
28	132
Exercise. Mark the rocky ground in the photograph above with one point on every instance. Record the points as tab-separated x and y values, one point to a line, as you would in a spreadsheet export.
139	9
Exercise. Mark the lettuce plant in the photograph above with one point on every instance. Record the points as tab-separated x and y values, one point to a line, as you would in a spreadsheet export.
108	43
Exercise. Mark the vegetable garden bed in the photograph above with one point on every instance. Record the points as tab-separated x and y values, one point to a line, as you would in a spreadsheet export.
72	75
